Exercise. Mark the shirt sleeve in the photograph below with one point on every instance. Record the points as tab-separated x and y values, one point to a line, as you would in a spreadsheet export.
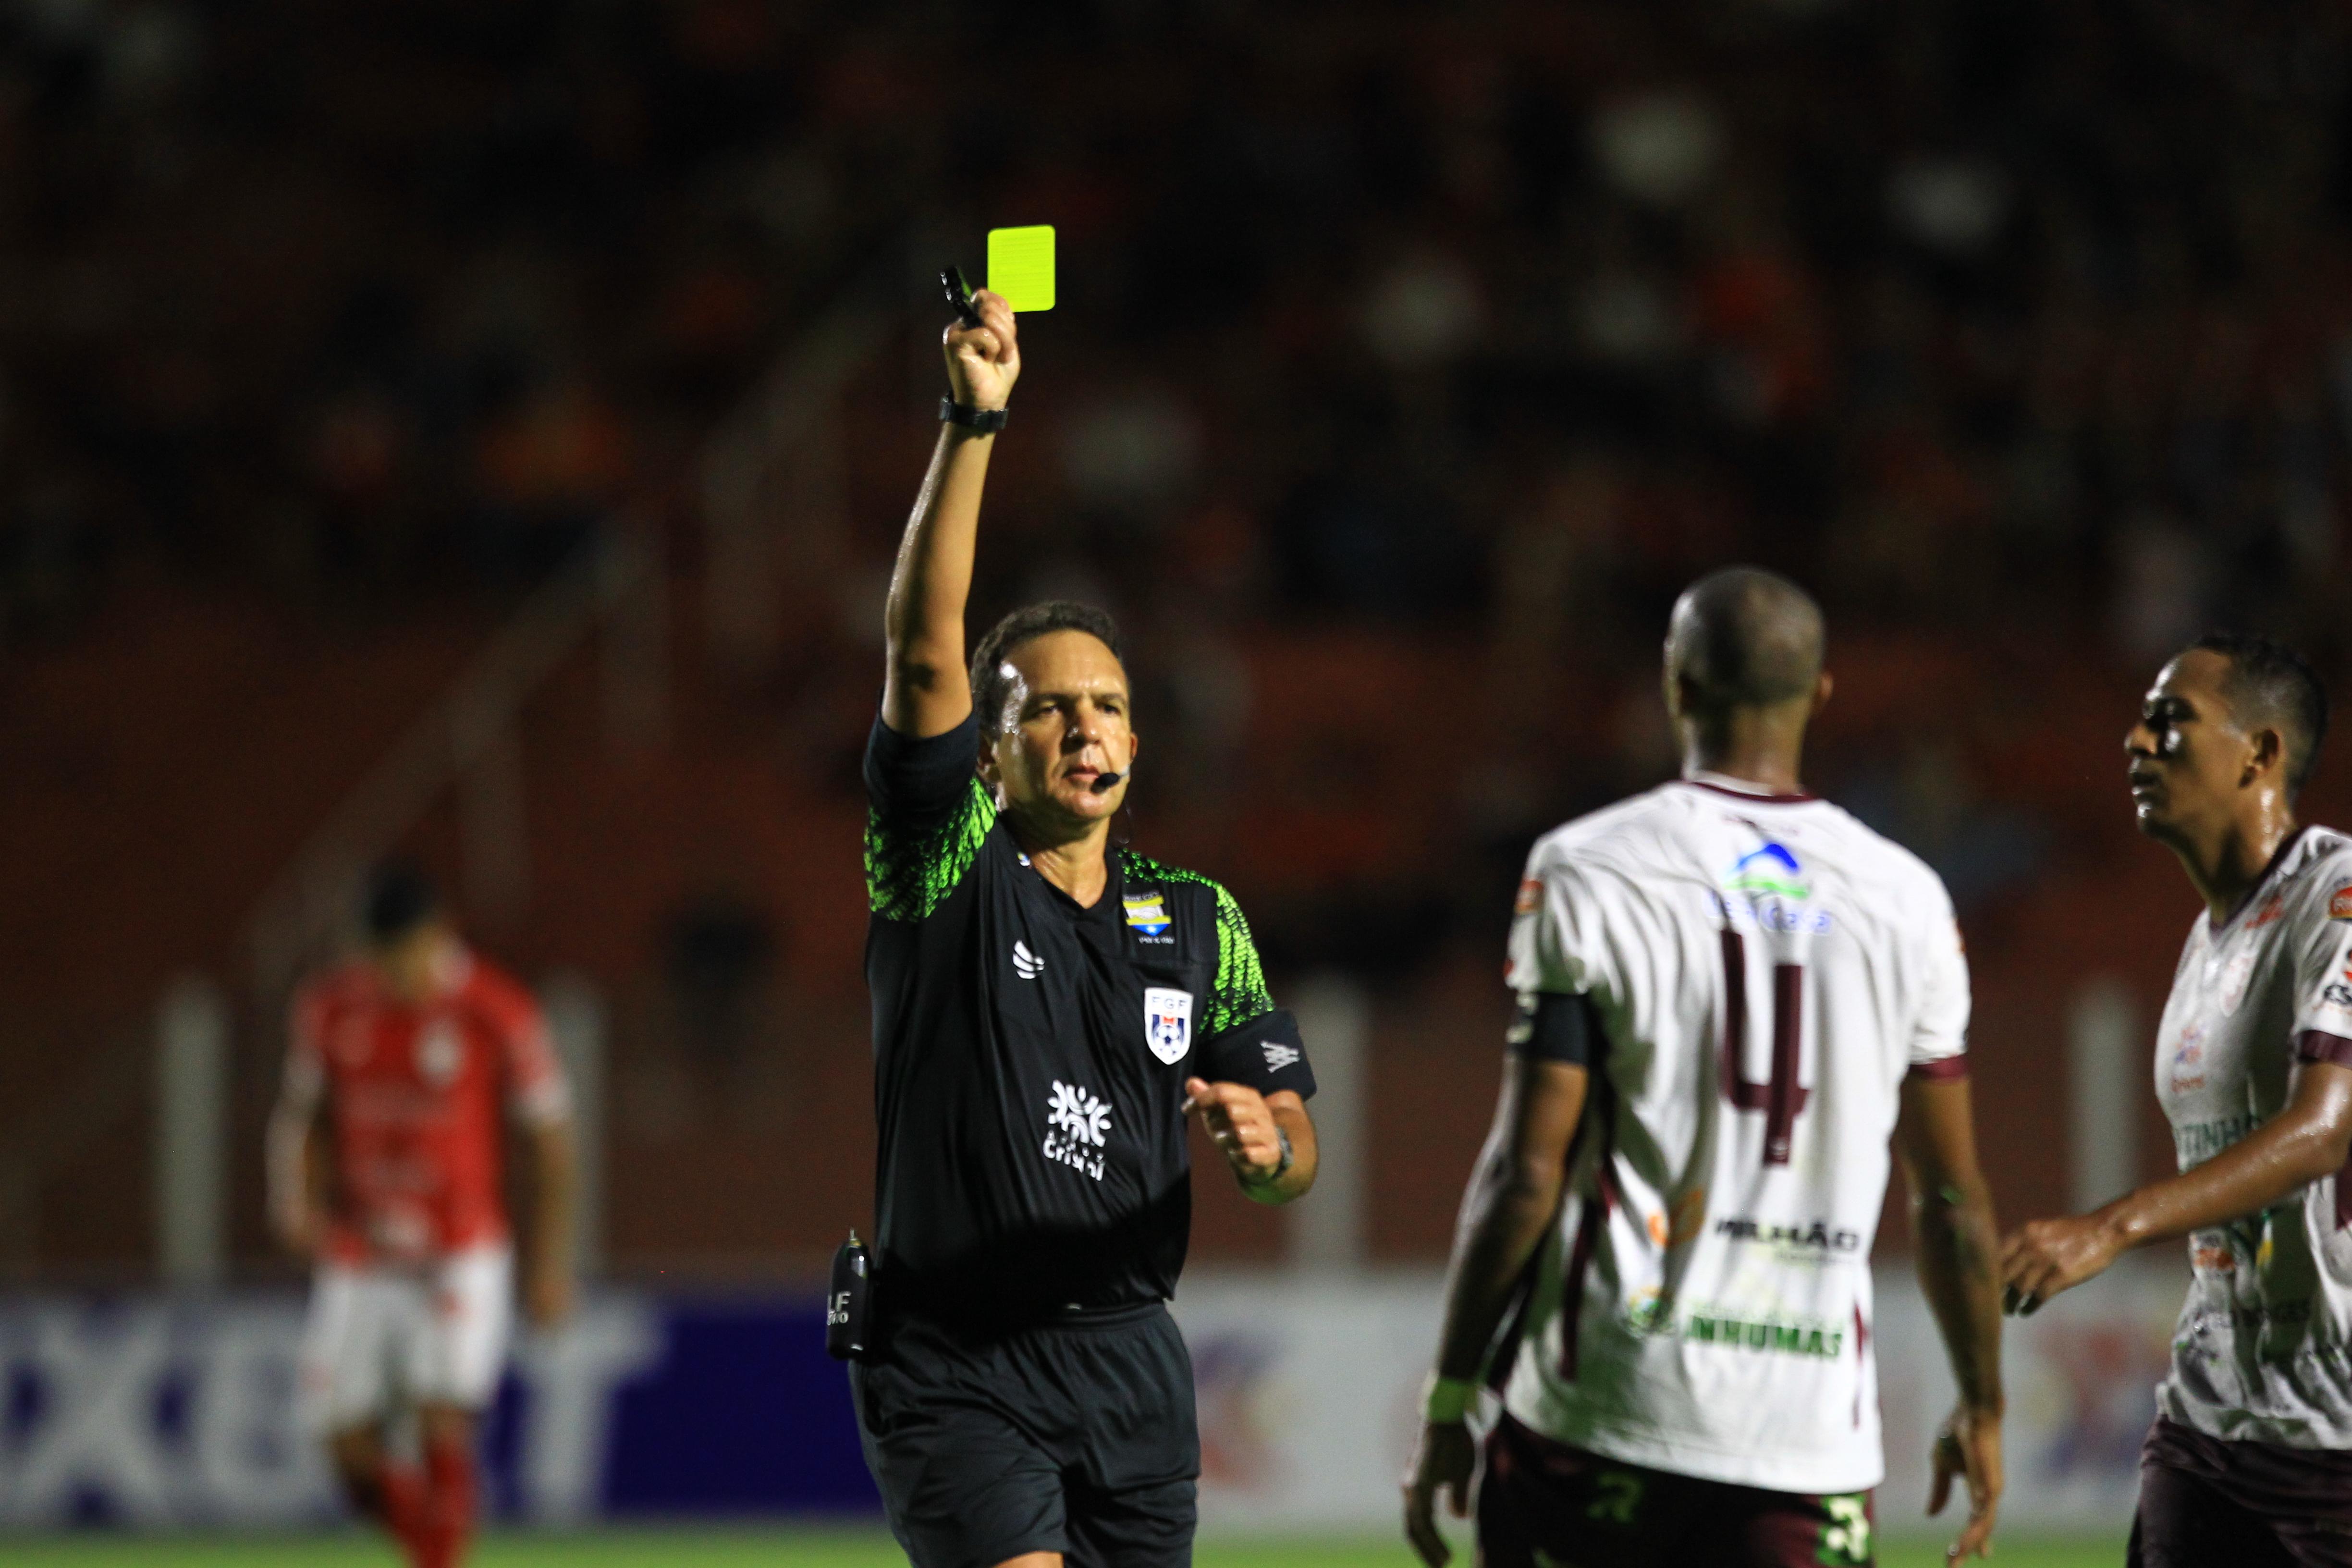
1245	1038
1556	943
1940	1038
926	815
2323	977
536	1088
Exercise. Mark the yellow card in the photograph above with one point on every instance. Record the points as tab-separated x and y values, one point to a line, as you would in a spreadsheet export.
1021	265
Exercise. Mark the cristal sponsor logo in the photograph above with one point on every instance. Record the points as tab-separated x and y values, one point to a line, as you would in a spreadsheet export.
1278	1056
1818	1235
1079	1122
1025	964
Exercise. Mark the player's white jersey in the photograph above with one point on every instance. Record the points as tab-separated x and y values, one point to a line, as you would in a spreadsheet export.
2261	1349
1767	970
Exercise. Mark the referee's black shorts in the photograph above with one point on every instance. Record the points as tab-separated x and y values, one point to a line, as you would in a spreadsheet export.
1077	1436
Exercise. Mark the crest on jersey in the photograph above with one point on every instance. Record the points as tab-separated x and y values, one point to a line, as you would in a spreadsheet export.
2340	904
439	1054
1146	912
1167	1023
1773	868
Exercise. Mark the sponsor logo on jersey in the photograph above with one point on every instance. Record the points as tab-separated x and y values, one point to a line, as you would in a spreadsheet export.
1819	1236
2189	1060
439	1054
2194	1142
1167	1021
1683	1220
1712	1326
1530	898
1774	868
1279	1056
2339	903
1078	1128
2273	908
1025	964
1147	914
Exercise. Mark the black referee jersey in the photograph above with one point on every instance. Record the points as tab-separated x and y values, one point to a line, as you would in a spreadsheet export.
1030	1055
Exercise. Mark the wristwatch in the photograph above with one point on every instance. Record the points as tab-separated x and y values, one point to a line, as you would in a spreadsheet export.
1280	1170
981	421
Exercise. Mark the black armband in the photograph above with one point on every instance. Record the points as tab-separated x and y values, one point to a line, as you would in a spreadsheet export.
1555	1026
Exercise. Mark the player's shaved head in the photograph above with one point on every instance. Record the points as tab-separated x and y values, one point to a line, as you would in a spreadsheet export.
1745	637
2270	686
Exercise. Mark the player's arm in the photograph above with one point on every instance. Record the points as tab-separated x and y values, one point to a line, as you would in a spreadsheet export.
549	1267
2310	1139
926	690
1513	1198
294	1152
1952	1223
541	1101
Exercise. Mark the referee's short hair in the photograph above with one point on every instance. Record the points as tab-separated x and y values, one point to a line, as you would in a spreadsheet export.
989	686
2270	684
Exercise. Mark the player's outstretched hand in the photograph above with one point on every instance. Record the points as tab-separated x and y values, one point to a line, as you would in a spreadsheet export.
1442	1461
1237	1118
1969	1447
983	362
2047	1256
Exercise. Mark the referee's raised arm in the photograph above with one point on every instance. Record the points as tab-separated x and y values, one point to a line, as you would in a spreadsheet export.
926	690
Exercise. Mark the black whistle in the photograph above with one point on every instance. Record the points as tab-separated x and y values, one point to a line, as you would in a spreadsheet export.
846	1303
958	294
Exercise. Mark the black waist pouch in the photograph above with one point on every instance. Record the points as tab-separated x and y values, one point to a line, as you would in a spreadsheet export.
848	1304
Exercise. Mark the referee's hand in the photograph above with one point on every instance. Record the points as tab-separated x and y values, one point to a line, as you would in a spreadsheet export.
983	362
1237	1118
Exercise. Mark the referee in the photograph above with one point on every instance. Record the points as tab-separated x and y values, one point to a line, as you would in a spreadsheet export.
1047	1011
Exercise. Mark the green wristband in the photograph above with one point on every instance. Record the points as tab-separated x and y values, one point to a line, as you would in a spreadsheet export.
1446	1400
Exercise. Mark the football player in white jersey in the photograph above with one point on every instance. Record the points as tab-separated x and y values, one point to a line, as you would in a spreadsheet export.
1731	996
2250	1462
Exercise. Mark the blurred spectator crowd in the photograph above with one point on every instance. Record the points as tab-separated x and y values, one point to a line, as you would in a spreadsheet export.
1409	359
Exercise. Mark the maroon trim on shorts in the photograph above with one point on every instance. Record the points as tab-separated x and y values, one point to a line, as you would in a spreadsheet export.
1942	1069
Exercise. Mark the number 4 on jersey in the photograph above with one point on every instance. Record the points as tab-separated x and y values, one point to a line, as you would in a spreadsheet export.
1781	1098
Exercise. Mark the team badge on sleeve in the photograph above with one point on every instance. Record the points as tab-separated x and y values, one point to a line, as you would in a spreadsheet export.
1167	1021
2339	907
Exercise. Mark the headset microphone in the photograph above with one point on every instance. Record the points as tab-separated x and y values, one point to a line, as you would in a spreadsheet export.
1110	780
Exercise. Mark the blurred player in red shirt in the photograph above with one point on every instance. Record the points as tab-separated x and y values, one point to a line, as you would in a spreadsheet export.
385	1169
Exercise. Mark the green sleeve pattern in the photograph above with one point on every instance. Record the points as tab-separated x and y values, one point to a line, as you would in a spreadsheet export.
908	876
1240	994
